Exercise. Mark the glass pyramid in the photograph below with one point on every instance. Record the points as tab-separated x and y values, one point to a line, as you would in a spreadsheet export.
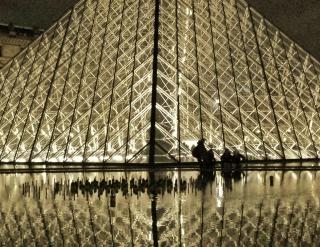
138	81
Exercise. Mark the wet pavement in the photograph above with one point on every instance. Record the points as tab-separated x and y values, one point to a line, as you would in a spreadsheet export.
160	208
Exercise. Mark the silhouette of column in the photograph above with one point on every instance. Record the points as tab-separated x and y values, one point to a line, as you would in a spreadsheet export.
154	83
154	211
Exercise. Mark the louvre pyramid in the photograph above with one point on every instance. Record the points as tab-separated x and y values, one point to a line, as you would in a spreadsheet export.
137	81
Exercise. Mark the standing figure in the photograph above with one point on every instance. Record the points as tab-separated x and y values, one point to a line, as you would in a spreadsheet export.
237	158
200	152
211	159
226	165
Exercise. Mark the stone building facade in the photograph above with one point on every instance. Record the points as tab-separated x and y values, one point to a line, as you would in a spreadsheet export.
13	39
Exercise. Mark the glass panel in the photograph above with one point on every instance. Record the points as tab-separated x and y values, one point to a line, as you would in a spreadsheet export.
82	91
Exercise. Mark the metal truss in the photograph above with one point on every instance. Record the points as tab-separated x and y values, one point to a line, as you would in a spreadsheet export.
134	81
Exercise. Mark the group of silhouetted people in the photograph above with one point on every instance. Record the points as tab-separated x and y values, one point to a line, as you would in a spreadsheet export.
134	186
205	157
114	186
230	162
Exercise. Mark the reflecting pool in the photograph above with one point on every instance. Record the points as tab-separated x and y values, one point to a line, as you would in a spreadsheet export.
161	208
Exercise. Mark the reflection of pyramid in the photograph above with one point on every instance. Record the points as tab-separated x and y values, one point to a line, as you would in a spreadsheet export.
246	216
93	88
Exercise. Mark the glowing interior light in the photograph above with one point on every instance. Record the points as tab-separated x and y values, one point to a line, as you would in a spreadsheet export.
60	159
109	147
37	160
77	159
129	157
190	143
21	160
188	11
93	159
118	158
53	160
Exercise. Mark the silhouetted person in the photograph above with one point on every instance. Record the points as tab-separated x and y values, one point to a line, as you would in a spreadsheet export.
226	163
211	159
56	187
74	187
236	159
94	185
113	200
200	152
204	177
103	184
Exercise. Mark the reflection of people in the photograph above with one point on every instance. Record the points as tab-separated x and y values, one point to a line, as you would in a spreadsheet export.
228	183
211	159
113	200
204	177
134	186
57	187
226	165
237	158
237	175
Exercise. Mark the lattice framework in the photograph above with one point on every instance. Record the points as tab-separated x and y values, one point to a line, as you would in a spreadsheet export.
83	90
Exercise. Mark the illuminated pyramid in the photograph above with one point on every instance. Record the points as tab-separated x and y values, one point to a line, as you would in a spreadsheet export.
93	88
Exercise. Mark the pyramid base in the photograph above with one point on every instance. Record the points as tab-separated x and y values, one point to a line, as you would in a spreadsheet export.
252	165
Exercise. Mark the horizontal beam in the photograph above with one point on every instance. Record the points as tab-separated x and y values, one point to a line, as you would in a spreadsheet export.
280	165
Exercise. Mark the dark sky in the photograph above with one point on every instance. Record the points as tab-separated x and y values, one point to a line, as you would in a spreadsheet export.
299	19
40	13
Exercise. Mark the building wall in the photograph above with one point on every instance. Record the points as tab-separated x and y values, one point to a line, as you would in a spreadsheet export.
13	40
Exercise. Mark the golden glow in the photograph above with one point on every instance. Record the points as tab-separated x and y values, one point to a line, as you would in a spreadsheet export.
185	216
82	91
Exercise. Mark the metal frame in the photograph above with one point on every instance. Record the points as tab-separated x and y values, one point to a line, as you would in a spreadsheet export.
109	90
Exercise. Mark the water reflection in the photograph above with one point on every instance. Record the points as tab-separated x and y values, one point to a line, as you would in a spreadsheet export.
160	208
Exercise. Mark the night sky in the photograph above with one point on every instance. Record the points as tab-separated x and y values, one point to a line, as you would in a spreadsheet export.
299	19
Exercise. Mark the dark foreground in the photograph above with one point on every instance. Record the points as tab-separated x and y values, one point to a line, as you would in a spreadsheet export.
160	208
